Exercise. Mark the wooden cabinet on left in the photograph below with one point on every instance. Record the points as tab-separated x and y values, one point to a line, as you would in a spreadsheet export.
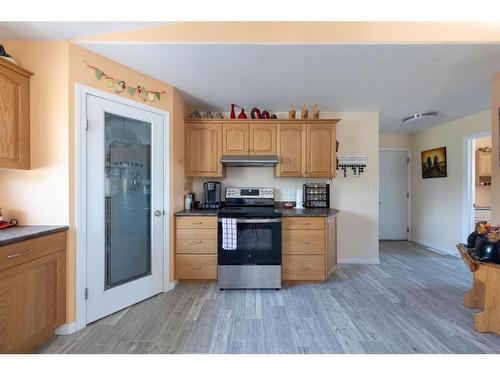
32	292
203	150
14	116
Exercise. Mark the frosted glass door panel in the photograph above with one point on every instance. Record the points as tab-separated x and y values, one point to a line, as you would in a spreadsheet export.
128	200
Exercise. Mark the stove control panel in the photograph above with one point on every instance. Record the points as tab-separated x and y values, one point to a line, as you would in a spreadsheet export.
235	192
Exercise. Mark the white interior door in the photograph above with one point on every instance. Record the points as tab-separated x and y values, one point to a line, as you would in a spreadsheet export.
125	206
393	195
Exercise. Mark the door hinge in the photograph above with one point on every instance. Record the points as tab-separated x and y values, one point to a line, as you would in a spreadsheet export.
407	229
407	160
86	293
407	195
86	124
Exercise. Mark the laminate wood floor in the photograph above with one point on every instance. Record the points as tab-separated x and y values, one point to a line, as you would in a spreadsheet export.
411	303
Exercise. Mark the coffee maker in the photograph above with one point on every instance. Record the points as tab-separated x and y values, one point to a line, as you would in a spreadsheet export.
212	195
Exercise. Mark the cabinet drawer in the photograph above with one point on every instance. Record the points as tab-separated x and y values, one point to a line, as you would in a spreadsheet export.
26	251
191	267
301	241
304	267
190	222
303	223
196	241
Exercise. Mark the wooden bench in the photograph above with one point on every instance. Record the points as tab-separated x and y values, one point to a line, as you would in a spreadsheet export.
485	292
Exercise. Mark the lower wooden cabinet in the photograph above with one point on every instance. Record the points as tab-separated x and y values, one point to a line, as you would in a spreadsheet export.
32	292
196	266
309	248
196	248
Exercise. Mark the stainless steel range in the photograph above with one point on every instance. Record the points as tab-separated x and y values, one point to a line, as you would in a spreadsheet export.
255	260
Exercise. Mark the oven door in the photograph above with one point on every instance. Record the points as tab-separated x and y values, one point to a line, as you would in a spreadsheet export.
258	242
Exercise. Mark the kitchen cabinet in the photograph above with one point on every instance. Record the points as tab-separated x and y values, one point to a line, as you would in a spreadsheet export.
203	150
309	248
14	116
291	150
320	150
306	150
483	168
249	139
32	292
196	248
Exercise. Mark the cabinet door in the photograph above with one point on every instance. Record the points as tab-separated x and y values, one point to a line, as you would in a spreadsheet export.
236	139
203	150
262	139
484	164
14	119
32	303
331	247
320	150
290	150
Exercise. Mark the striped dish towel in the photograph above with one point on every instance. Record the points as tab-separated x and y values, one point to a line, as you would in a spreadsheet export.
228	233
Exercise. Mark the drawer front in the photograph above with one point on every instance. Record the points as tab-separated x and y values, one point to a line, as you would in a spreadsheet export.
306	222
193	222
304	241
26	251
304	267
191	267
196	241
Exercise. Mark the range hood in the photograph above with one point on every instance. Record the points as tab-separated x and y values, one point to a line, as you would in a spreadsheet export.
249	160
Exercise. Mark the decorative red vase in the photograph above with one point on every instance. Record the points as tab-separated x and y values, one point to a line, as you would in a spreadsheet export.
242	115
233	114
265	114
255	113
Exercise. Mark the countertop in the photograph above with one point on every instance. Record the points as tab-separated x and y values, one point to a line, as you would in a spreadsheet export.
321	212
26	232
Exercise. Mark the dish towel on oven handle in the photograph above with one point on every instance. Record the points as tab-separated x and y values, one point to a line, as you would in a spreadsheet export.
229	236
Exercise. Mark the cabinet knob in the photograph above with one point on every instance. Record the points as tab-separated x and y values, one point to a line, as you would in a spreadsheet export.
197	267
193	241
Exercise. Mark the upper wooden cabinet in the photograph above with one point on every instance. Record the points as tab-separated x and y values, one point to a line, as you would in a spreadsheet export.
235	139
203	150
320	150
291	150
14	116
249	139
306	150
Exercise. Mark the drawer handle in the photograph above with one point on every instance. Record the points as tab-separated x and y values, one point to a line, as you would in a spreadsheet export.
193	241
306	242
196	222
197	267
19	254
306	223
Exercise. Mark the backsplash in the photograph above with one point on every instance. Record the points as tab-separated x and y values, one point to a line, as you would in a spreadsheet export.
284	188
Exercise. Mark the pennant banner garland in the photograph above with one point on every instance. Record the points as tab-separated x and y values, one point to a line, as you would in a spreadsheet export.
120	85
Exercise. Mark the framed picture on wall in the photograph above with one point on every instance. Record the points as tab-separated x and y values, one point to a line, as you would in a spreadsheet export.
434	163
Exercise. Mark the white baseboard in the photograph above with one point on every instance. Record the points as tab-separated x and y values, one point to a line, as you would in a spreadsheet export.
171	286
436	248
66	329
359	260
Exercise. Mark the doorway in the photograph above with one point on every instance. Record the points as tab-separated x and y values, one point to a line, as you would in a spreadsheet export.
123	204
478	191
394	194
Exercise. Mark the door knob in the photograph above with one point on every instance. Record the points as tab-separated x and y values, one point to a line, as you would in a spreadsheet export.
158	213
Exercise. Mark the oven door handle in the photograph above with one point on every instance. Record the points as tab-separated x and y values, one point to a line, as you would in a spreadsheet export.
255	221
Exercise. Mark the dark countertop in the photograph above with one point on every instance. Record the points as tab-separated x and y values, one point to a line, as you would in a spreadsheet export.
26	232
320	212
202	212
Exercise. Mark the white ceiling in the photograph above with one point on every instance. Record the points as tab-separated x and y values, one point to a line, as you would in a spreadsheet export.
396	80
66	30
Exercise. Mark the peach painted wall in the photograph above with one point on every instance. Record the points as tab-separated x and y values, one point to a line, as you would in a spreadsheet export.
40	195
495	170
310	32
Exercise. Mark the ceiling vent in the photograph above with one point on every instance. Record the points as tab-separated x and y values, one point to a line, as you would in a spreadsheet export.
419	118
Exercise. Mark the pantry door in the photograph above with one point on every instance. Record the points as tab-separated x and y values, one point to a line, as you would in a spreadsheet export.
125	205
